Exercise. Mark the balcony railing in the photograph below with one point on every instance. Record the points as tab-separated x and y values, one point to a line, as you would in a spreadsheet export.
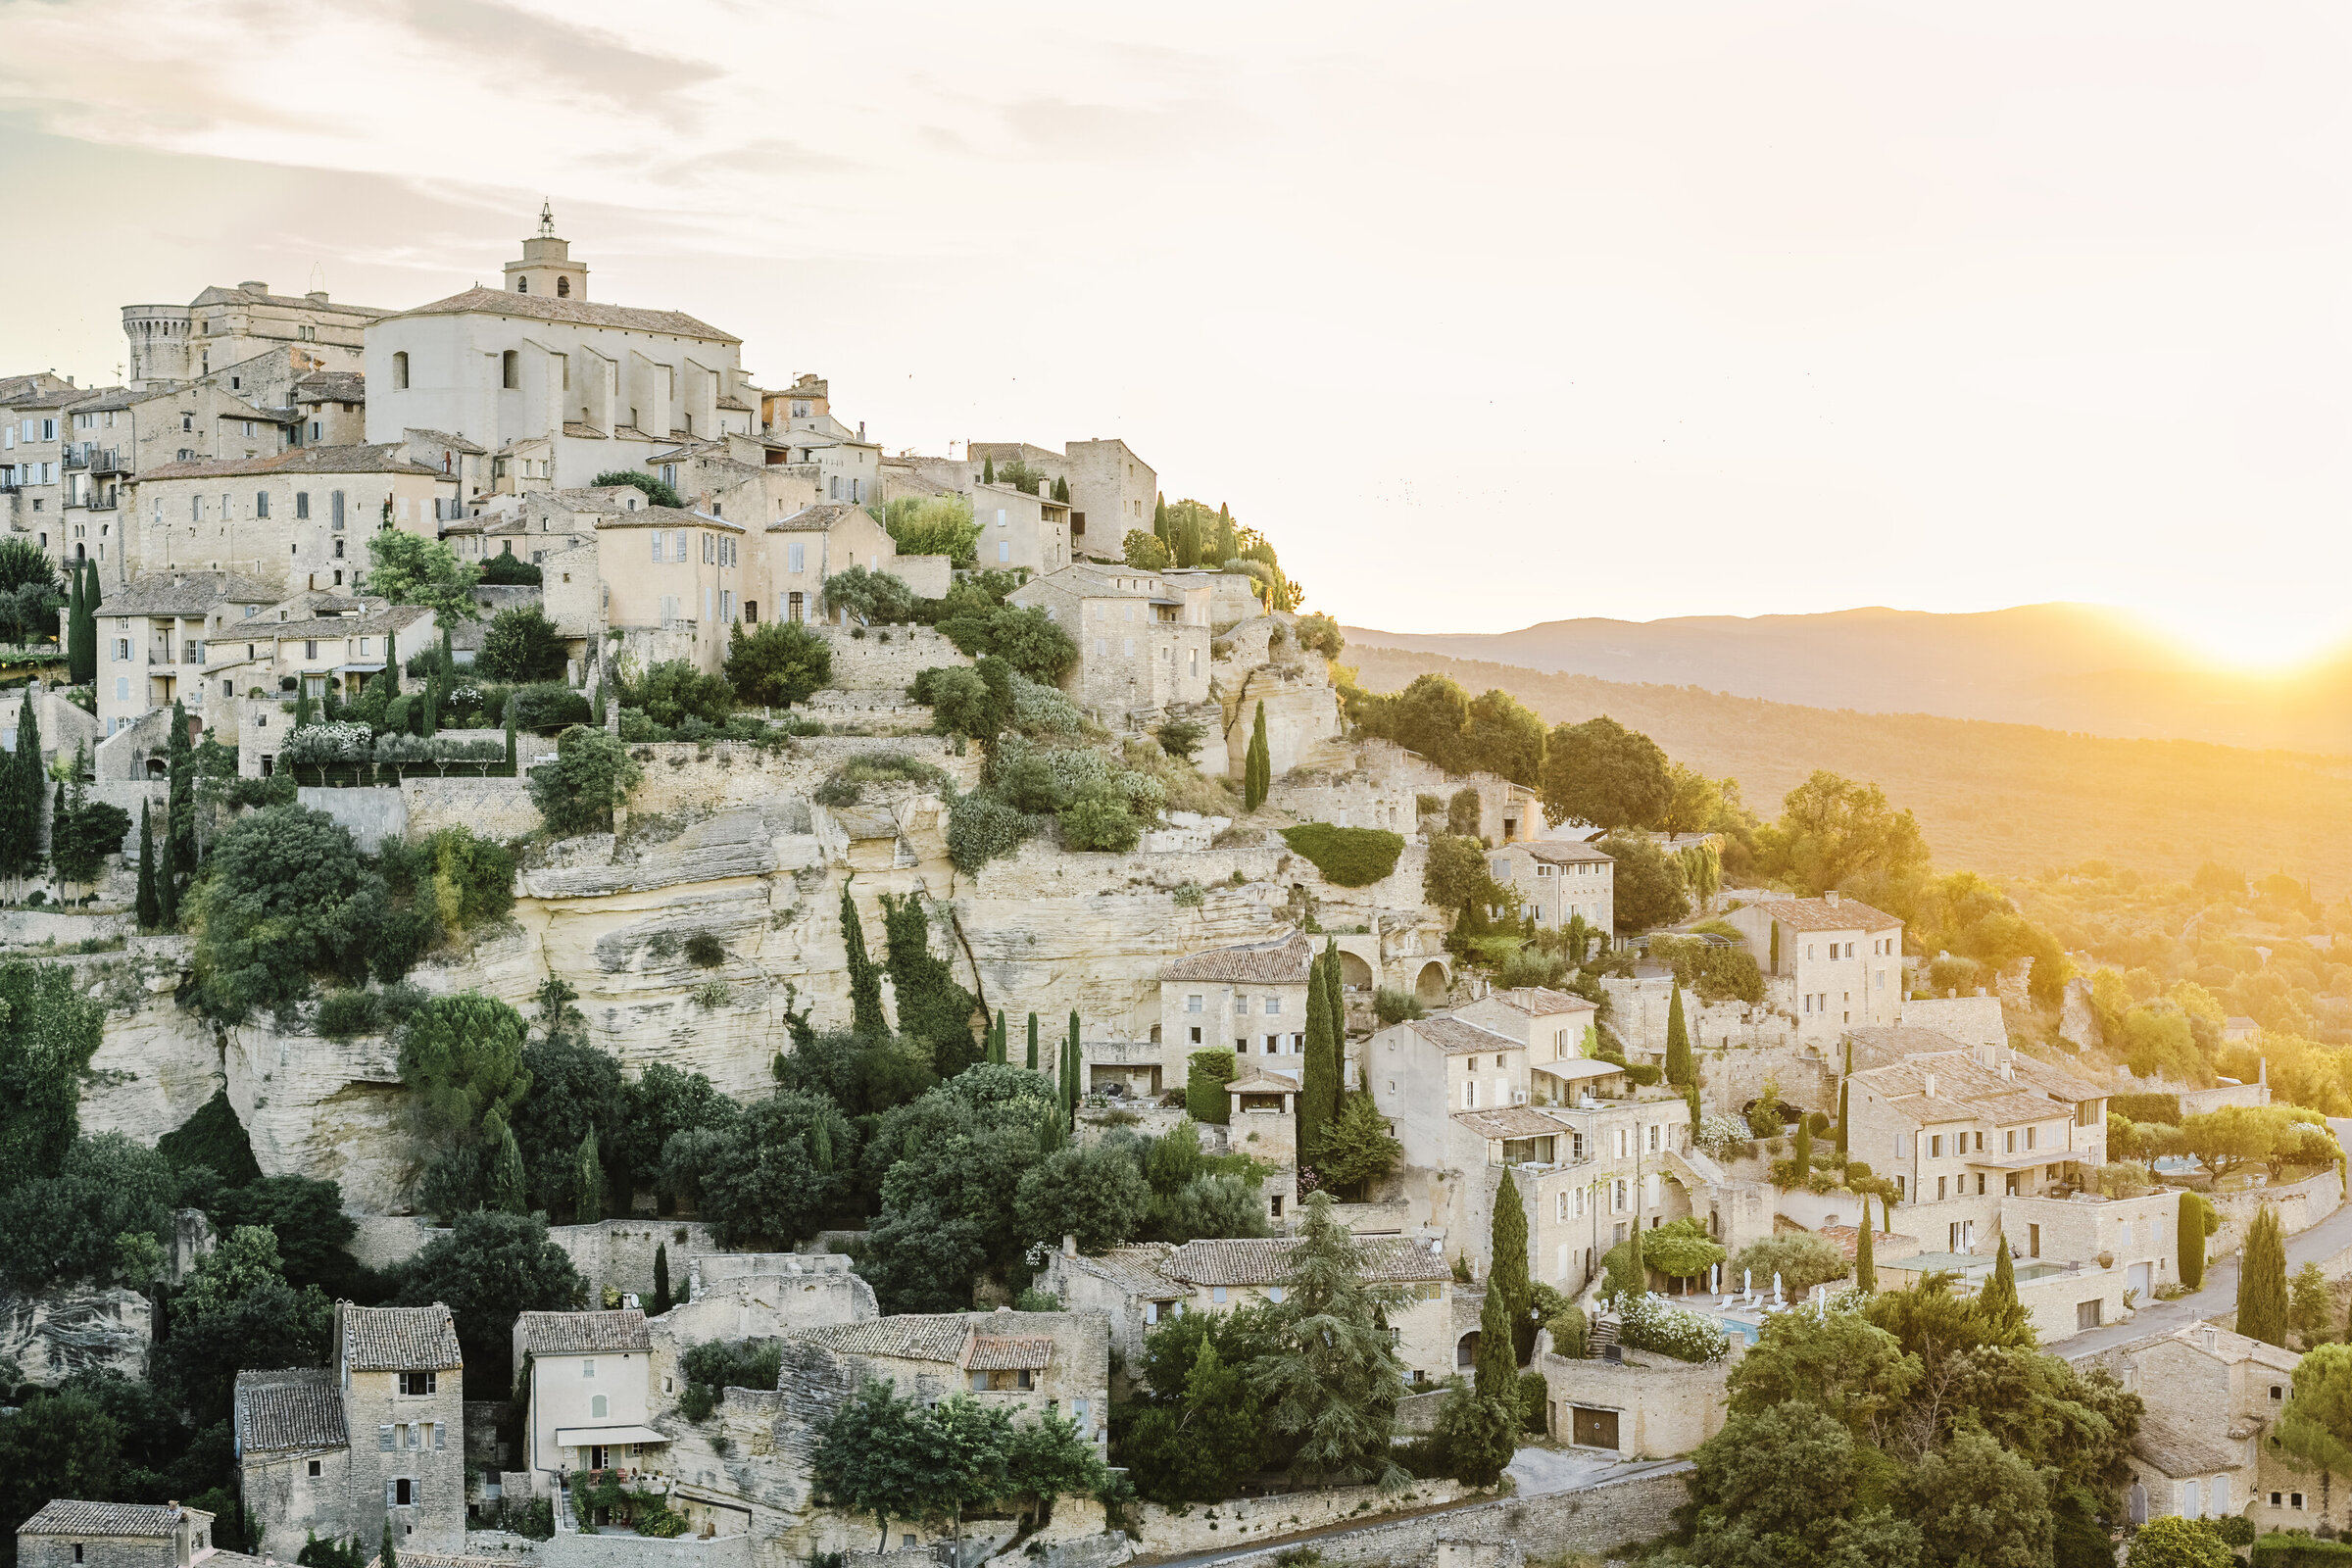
109	460
75	456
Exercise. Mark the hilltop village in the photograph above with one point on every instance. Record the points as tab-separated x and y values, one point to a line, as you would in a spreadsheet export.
600	968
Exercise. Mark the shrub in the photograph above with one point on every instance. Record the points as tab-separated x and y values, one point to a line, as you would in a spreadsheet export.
704	950
777	664
1653	1323
1042	709
345	1013
931	525
521	644
1027	639
980	829
1462	813
870	596
592	773
1391	1005
1716	975
660	494
511	572
1206	1073
1099	819
1348	856
328	742
546	705
1320	634
1801	1261
1720	1136
675	690
1188	895
2165	1108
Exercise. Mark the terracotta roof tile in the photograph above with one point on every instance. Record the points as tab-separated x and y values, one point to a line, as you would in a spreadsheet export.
67	1516
570	1333
1005	1352
579	313
298	1408
1820	914
1459	1036
1387	1260
401	1339
1281	962
362	458
1541	1002
912	1337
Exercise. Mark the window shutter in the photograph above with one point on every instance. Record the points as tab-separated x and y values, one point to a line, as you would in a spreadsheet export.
440	1434
391	1494
383	1438
657	543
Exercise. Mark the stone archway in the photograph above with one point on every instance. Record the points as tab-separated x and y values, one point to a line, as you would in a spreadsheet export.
1465	1351
1354	972
1430	984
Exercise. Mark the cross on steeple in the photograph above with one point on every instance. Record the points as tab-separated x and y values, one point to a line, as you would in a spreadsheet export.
546	218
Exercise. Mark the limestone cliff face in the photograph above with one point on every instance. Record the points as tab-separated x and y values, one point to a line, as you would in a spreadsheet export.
49	1336
729	842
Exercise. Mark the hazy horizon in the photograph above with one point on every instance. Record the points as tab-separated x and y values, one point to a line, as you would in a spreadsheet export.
1725	311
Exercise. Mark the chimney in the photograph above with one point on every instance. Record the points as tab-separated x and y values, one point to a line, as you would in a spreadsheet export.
2008	1073
317	296
1832	896
1928	1084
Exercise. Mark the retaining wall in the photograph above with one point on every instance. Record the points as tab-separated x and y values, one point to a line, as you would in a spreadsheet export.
493	807
1238	1521
886	658
620	1253
370	815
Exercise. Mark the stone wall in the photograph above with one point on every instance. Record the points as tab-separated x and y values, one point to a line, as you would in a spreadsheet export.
568	1548
886	658
1238	1521
385	1241
618	1253
1599	1520
492	808
1664	1407
130	794
1641	1007
2300	1205
372	815
49	1336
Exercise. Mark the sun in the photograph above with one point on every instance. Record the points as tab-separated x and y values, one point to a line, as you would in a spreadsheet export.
2246	640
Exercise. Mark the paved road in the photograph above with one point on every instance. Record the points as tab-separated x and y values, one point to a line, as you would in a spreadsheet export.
1537	1471
2219	1296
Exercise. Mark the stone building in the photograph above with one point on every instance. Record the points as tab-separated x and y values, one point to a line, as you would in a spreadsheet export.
1641	1406
1559	878
584	386
394	1382
224	325
1033	1363
299	518
587	1381
673	581
1832	961
1250	995
1142	648
71	1533
2210	1396
330	409
1019	531
152	647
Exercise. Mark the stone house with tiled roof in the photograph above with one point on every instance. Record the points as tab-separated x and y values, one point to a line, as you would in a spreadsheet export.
1142	639
68	1533
538	364
1250	996
376	1436
1830	962
1557	879
331	408
2211	1395
1032	1362
152	635
588	1399
225	326
1223	1275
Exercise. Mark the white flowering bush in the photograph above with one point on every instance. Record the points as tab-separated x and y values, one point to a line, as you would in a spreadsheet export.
1042	709
1720	1136
336	742
1650	1322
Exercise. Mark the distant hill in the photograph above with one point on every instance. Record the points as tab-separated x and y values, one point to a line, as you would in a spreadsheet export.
2063	666
2002	798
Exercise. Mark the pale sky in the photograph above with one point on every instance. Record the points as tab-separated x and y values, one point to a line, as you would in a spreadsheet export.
1487	316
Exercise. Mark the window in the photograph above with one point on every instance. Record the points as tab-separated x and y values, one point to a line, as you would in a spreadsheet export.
403	1494
2278	1392
1192	1003
522	285
597	1407
310	648
796	559
1005	553
1273	1006
419	1383
588	1368
710	550
315	1468
335	508
563	288
400	374
1935	1147
301	504
260	503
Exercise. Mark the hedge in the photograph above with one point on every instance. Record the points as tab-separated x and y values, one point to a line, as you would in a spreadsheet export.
2165	1108
2280	1549
1205	1078
1348	856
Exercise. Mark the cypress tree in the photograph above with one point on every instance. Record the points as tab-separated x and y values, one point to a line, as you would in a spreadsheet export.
1160	522
1804	1156
2262	1281
588	1183
391	664
988	470
1073	1062
1032	1063
996	1037
1843	1109
432	703
867	1018
661	1278
386	1558
1678	1070
1636	1266
509	1188
151	910
1336	1000
1257	774
1506	1272
1318	1088
302	714
2190	1231
73	659
89	623
20	796
1866	1256
1997	1303
1496	1366
179	820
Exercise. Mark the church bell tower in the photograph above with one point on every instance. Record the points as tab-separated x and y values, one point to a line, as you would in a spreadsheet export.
547	266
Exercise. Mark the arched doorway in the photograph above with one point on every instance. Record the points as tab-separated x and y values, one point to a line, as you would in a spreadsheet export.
1355	972
1465	1351
1429	986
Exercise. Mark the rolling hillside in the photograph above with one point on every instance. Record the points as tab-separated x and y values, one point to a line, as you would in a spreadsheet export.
2003	798
2066	667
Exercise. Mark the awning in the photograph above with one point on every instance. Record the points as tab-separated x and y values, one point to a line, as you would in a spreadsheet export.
604	1437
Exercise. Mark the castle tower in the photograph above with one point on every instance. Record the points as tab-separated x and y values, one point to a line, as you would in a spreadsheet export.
547	266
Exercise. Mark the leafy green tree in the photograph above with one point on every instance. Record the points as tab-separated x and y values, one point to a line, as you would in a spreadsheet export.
774	1173
672	691
866	1017
462	1057
869	596
81	654
288	898
180	798
1778	1486
1647	885
1095	1194
2262	1281
1854	1371
660	494
1332	1382
1145	552
506	570
48	1034
864	1076
1997	1303
521	644
1357	1148
58	1443
1258	777
89	1217
1497	1365
942	1166
1977	1499
663	1102
1047	1459
1679	1068
1027	639
1477	1433
883	1454
1197	1427
1833	829
28	596
1503	738
577	1094
488	1270
2311	1304
1454	876
932	525
235	1312
1602	773
409	568
591	775
306	1216
86	832
777	664
1431	716
2314	1430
